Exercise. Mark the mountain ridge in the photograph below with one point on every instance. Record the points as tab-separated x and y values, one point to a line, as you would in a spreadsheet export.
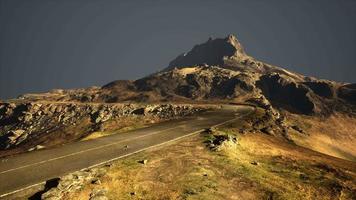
231	78
221	70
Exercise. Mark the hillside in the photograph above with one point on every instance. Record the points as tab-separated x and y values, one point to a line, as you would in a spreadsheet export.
303	128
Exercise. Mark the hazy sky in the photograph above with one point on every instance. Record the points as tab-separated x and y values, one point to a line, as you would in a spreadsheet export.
79	43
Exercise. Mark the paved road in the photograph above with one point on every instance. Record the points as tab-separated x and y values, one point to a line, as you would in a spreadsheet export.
25	170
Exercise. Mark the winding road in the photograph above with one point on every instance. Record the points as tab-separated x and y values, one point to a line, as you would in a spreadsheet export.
34	168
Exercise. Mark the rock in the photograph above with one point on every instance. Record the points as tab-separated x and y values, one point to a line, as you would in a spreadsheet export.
139	111
98	194
222	142
321	88
109	165
254	163
52	194
303	176
287	93
96	181
53	108
143	161
16	133
101	116
14	137
268	130
297	128
348	93
37	147
212	52
33	120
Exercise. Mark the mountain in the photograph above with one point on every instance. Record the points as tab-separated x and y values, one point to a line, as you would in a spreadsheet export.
296	142
221	70
217	71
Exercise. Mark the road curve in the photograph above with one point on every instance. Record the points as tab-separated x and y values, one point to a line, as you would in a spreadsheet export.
33	168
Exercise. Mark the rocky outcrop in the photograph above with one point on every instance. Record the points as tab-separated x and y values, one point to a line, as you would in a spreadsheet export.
59	187
348	93
29	125
201	82
286	93
217	70
212	52
321	88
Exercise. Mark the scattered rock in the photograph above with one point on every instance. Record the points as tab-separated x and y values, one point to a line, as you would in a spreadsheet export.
254	163
222	142
139	111
108	165
98	194
74	182
303	177
143	161
96	181
22	120
268	130
297	128
52	194
37	147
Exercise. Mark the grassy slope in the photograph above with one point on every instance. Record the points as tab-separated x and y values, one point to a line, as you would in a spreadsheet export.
189	170
334	135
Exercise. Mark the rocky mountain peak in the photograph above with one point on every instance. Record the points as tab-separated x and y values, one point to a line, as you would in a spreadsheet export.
212	52
232	39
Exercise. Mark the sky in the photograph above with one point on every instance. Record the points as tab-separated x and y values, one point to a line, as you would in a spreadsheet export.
47	44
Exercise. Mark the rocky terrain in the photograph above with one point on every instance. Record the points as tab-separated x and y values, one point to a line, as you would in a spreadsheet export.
219	69
299	121
30	126
226	162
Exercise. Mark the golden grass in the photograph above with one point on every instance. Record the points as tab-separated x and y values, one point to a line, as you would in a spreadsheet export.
188	170
121	125
184	170
335	135
287	172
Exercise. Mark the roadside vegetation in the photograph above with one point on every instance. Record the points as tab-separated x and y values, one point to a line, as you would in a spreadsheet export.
116	126
227	163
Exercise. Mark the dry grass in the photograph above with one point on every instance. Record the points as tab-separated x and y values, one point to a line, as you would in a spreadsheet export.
121	125
185	170
335	135
286	171
189	170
